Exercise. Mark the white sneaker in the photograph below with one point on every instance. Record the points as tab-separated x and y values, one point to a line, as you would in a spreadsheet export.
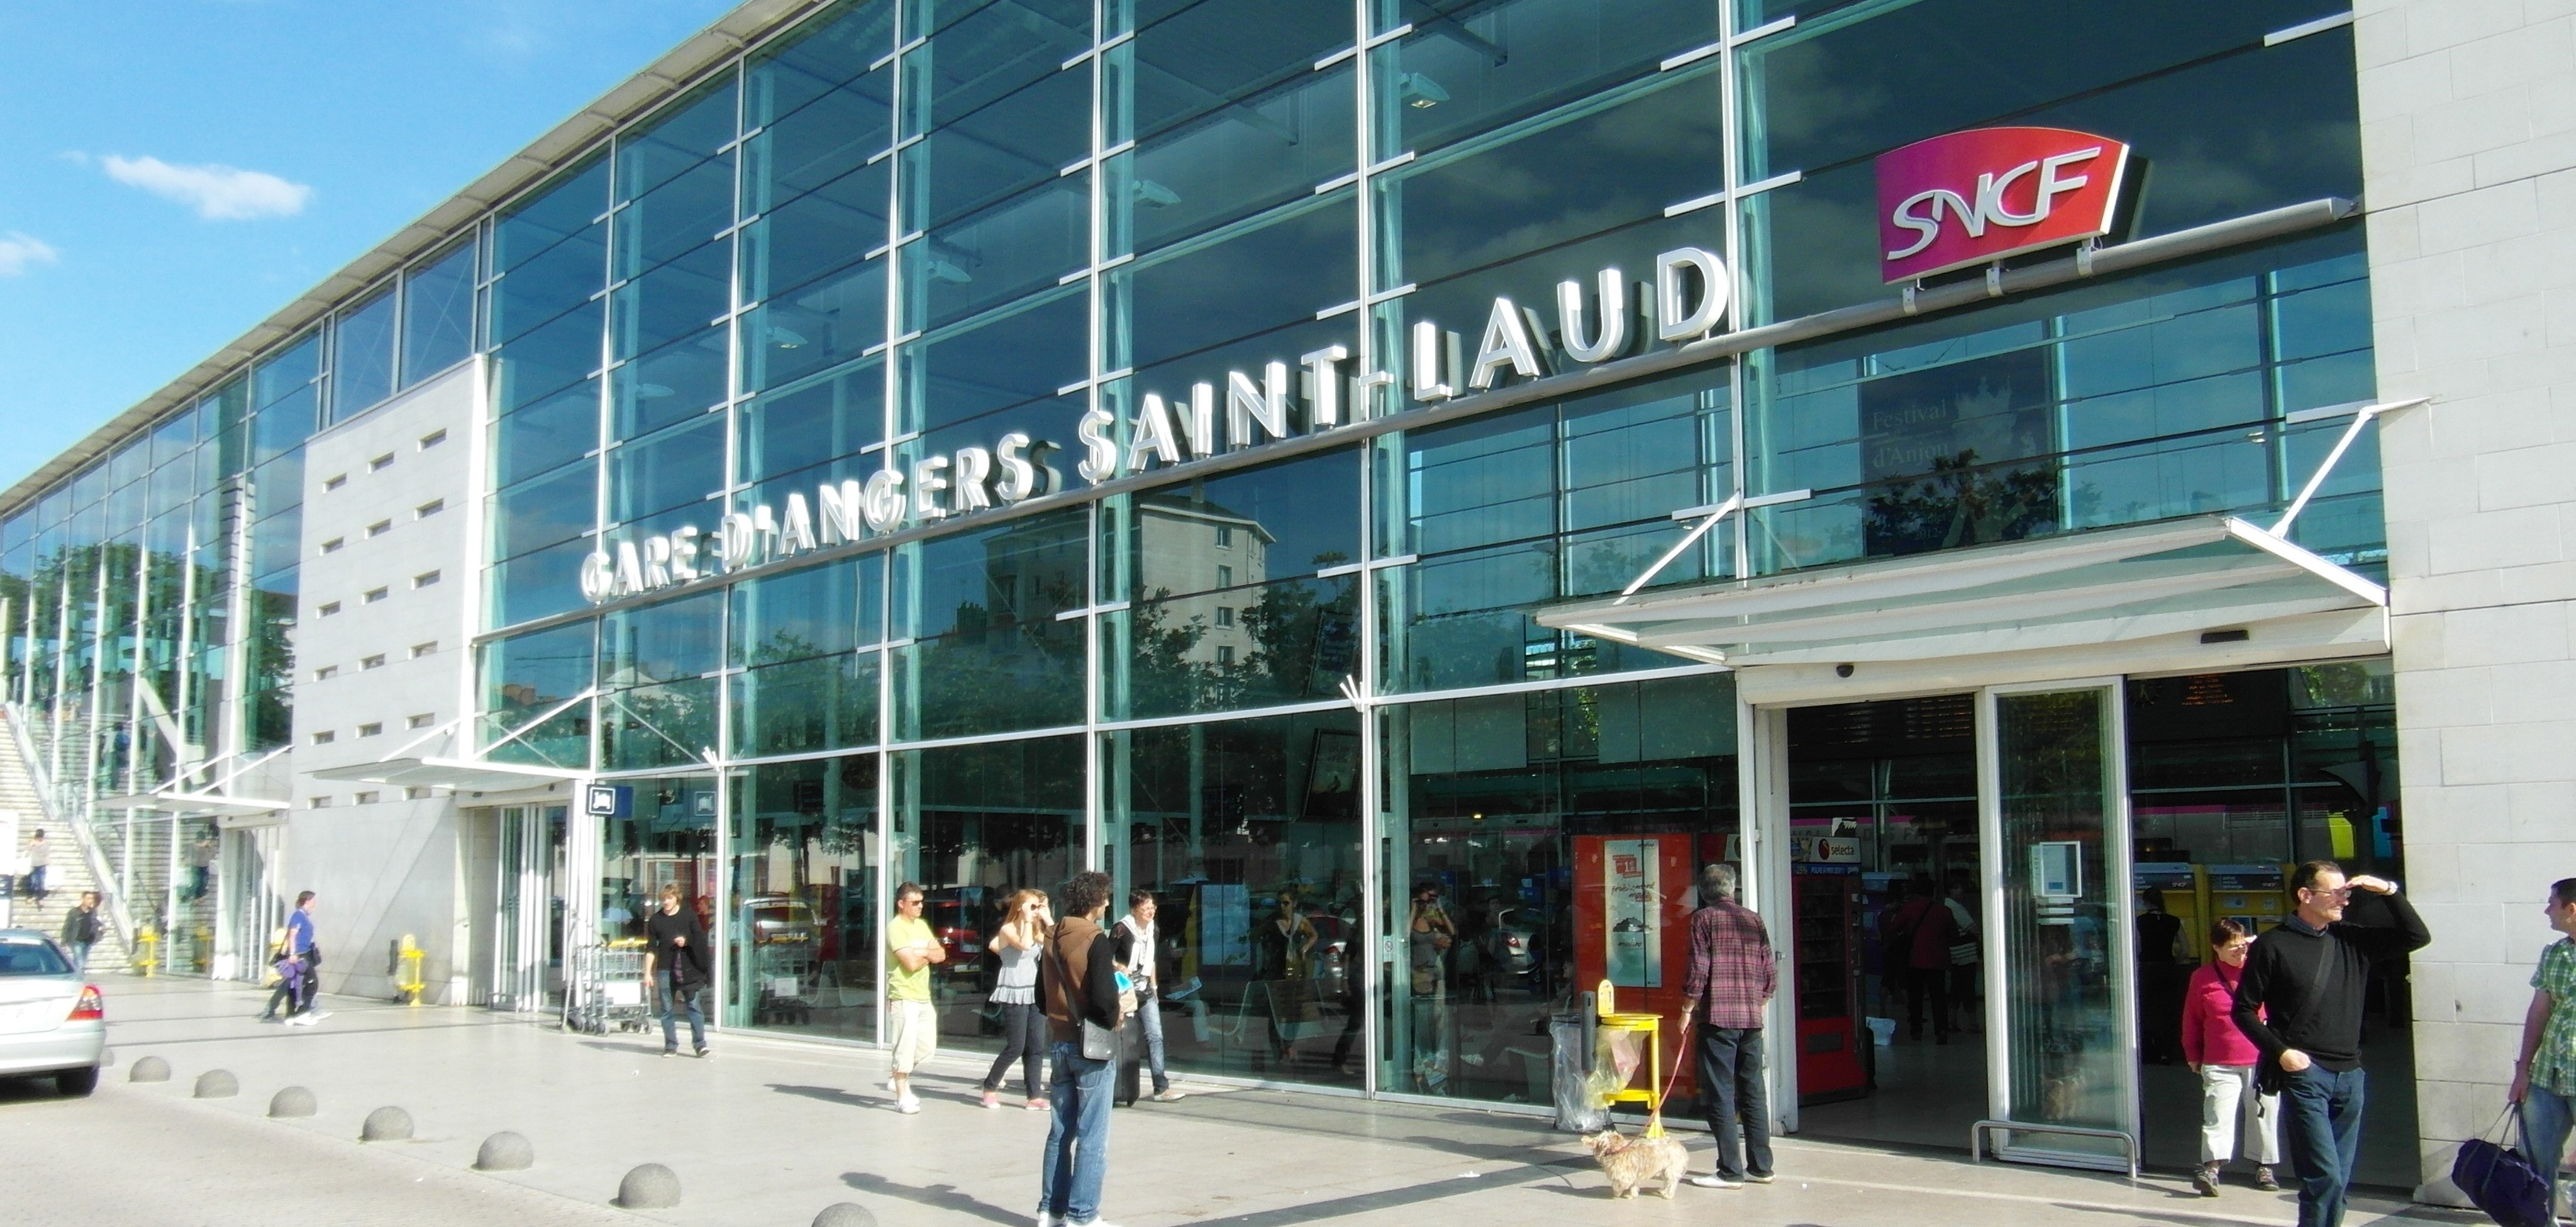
1169	1095
908	1105
319	1015
1715	1181
1046	1219
302	1020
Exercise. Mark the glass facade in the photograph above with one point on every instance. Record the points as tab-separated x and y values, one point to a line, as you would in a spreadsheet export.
1300	694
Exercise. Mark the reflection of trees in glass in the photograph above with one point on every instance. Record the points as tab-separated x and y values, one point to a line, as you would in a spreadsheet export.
1302	639
1962	504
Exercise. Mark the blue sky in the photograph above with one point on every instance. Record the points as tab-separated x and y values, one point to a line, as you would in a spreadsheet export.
173	171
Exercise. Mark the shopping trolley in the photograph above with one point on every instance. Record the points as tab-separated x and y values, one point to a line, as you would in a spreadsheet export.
608	990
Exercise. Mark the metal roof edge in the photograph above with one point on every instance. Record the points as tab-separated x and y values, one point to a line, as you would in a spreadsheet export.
674	72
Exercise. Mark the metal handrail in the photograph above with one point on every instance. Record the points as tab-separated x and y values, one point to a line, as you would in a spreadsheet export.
100	872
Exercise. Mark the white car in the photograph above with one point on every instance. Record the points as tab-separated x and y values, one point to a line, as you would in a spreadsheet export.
52	1020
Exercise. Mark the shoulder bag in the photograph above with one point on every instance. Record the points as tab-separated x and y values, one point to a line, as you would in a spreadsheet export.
1099	1043
2499	1180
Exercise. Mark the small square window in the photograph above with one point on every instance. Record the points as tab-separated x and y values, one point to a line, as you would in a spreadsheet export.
420	721
318	802
325	737
334	482
372	662
326	673
380	528
424	579
1225	615
381	463
428	509
328	608
1225	536
432	439
371	730
372	596
1224	655
1225	577
333	545
364	798
415	792
419	650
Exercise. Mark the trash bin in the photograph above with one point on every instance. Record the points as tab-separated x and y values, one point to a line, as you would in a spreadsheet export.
1570	1042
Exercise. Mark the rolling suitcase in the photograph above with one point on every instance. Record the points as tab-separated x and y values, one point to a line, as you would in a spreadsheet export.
1131	1061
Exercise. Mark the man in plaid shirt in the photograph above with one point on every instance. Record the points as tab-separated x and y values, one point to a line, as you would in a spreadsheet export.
1732	976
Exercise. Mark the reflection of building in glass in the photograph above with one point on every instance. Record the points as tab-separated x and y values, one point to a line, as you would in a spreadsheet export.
1219	558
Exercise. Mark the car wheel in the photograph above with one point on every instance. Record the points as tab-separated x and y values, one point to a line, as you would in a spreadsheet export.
77	1082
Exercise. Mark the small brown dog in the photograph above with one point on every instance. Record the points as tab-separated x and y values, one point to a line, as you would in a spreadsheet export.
1630	1162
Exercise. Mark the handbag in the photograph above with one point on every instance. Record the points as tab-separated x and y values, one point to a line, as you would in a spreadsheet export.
2499	1180
1099	1043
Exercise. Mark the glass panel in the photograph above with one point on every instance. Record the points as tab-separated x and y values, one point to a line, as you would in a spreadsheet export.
827	419
674	299
973	824
362	357
1471	67
438	313
2066	1046
1247	832
539	584
545	511
1010	358
670	384
804	937
1003	147
815	703
527	676
990	655
1021	246
551	358
1498	815
668	840
657	726
560	210
679	466
544	435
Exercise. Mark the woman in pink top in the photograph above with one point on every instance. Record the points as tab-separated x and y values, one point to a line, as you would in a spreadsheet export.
2225	1060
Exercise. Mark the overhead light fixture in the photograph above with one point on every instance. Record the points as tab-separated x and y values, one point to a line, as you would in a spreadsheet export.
942	270
785	338
1153	195
1420	91
652	391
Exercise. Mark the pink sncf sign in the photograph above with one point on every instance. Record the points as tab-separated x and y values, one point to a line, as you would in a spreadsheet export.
1980	195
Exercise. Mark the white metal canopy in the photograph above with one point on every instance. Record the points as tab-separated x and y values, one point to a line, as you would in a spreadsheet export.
463	775
192	804
2205	574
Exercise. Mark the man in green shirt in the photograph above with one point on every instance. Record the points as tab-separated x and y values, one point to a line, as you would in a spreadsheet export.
912	1024
2544	1080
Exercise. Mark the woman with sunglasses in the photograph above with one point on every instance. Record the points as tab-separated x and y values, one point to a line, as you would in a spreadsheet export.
1022	939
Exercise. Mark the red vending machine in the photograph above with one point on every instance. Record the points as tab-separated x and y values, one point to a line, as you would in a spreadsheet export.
1632	897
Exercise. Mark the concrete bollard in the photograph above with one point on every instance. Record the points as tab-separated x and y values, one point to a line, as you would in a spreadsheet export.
505	1152
217	1084
293	1101
149	1069
650	1186
386	1125
845	1214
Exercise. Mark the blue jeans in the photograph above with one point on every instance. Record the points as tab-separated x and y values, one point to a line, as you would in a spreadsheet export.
1149	1012
2546	1116
1077	1145
80	957
2321	1119
673	1002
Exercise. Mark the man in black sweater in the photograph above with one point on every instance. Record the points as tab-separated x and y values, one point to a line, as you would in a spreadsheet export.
2300	1001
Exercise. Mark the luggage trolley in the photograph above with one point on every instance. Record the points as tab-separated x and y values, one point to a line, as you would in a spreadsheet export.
608	988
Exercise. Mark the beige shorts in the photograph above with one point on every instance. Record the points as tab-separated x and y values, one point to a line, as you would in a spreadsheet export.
912	1030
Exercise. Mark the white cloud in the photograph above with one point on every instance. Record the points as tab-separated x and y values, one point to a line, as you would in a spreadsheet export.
216	192
18	253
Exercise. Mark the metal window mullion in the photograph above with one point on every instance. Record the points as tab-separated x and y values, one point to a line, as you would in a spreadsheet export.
1095	823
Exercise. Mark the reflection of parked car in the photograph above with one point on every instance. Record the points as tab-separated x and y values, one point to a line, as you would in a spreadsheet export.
958	923
58	1025
777	918
1514	942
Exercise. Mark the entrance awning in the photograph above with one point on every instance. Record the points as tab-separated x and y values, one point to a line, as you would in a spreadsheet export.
192	804
462	775
2214	580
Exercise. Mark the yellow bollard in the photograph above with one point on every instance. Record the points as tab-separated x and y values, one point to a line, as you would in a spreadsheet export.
407	981
147	948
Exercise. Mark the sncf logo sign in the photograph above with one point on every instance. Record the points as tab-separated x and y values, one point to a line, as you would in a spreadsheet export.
1975	196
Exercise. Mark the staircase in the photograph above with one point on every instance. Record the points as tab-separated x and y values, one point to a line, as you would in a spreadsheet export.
70	874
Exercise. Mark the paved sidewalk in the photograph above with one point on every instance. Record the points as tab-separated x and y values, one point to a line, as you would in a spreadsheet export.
770	1133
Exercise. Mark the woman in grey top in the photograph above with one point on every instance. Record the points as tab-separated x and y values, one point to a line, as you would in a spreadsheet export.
1020	942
